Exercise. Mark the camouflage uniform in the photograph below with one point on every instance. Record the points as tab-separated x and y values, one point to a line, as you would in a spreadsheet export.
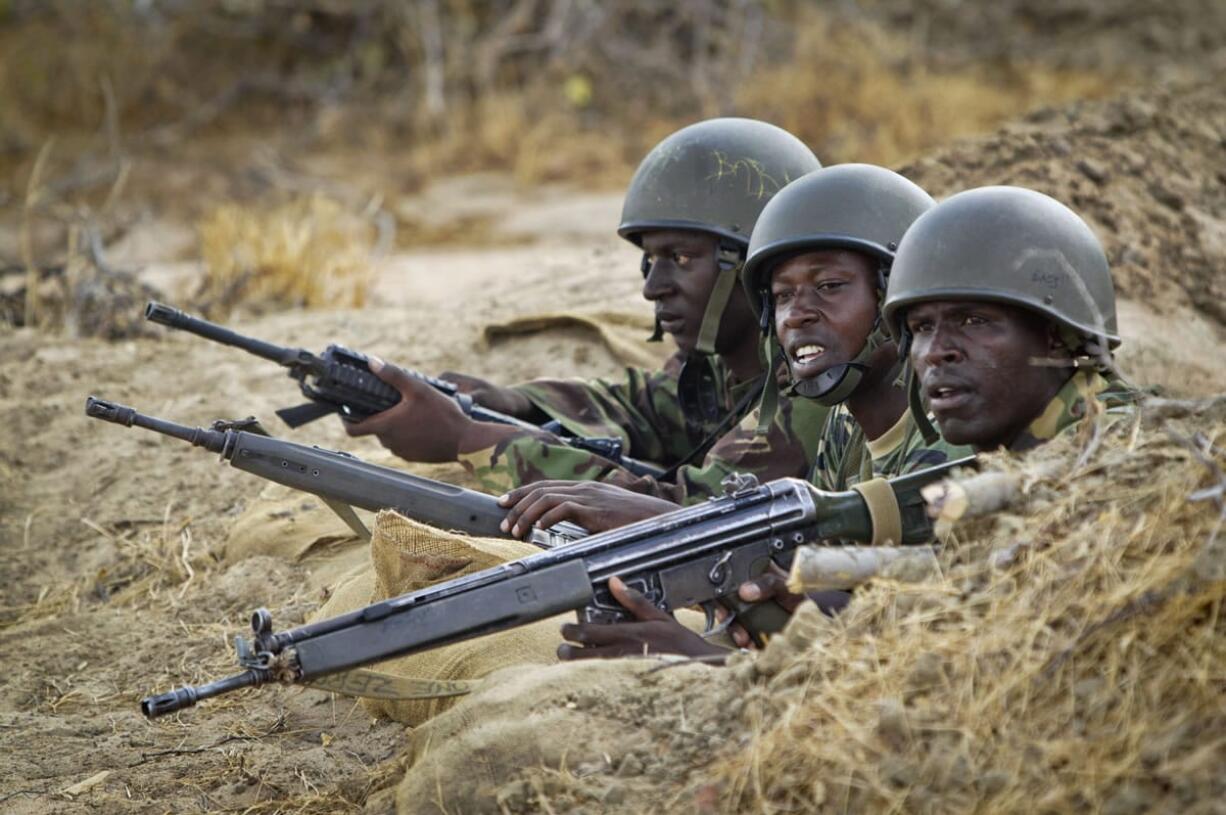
643	410
1087	395
653	429
845	457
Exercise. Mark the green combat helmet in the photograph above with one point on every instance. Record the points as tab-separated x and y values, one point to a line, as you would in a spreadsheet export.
714	176
1007	245
860	207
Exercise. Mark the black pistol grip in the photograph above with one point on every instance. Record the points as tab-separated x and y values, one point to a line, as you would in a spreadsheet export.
760	620
169	702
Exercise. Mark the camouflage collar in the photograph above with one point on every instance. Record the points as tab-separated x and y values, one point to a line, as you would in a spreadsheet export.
1086	393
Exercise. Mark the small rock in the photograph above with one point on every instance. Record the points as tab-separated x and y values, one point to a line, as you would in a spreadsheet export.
613	796
631	765
1093	171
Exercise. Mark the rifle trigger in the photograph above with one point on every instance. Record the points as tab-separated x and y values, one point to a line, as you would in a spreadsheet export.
715	627
351	519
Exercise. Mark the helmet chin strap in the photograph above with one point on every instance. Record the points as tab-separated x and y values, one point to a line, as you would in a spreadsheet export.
915	401
697	389
657	334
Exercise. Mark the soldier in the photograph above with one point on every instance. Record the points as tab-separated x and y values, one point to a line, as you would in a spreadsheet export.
690	207
1004	300
817	268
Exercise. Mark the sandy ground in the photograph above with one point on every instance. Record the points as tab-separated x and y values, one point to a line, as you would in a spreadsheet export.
113	582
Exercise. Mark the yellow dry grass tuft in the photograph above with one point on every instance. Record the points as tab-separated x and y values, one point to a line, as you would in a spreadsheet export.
308	252
855	91
1069	657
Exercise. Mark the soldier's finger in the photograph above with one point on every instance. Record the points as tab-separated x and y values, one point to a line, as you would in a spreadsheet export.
520	493
634	601
529	511
762	587
566	511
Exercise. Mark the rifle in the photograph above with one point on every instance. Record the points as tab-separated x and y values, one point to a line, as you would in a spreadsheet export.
341	480
340	381
694	556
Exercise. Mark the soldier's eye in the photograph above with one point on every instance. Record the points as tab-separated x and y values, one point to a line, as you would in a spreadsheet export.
681	260
781	295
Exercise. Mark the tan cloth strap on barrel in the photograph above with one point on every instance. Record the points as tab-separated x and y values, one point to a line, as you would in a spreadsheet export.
376	685
883	509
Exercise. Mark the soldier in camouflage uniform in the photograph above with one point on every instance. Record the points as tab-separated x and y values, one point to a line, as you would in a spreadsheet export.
818	265
1004	298
816	271
690	207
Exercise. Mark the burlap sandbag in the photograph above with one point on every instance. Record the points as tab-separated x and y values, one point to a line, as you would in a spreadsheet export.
298	527
624	334
406	556
584	718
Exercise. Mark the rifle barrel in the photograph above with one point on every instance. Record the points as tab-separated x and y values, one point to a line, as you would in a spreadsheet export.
128	417
175	318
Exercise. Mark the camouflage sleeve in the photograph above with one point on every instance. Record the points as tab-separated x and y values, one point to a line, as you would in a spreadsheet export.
642	410
786	450
524	458
914	454
840	451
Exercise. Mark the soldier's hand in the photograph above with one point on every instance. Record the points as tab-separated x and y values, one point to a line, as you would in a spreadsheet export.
770	585
593	505
488	395
655	632
425	425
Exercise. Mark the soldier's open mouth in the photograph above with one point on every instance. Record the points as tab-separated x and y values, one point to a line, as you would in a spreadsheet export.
947	398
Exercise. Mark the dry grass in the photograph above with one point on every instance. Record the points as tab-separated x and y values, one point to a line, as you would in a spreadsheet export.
1082	672
857	92
309	253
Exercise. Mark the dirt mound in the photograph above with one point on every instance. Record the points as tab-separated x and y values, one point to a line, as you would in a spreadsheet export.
1057	663
1145	171
1079	33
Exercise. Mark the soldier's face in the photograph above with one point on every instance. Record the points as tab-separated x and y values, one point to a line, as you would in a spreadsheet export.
976	363
825	308
682	268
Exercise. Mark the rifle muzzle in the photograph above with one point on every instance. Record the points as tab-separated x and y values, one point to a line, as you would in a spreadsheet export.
188	695
163	314
163	703
109	411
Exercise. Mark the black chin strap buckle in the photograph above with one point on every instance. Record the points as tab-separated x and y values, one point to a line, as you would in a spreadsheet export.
767	314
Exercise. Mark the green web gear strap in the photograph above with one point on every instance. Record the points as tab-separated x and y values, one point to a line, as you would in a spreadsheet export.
730	263
918	411
770	387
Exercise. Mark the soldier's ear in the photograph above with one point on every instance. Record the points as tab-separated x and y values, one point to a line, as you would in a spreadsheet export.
1058	341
